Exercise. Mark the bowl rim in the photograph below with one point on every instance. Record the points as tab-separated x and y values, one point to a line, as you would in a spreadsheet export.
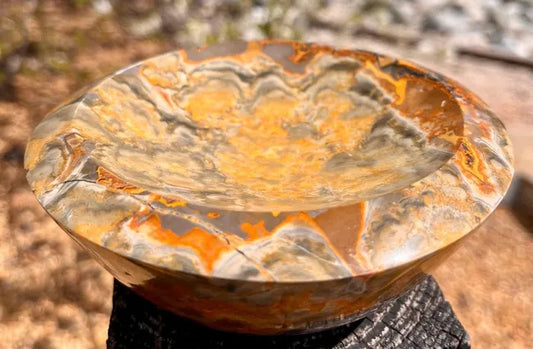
482	165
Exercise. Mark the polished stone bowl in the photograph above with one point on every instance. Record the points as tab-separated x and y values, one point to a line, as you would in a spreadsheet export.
272	186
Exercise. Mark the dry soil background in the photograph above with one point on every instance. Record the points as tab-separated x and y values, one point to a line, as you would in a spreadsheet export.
53	295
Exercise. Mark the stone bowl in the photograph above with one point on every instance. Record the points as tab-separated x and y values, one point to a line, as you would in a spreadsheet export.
273	186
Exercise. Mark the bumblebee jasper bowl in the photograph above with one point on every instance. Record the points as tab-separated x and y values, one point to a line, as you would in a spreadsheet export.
272	186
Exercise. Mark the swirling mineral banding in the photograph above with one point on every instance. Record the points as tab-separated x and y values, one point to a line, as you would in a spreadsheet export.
271	161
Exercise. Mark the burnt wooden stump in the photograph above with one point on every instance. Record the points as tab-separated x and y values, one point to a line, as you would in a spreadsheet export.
421	318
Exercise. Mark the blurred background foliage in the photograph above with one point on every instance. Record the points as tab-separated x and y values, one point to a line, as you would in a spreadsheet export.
34	36
52	294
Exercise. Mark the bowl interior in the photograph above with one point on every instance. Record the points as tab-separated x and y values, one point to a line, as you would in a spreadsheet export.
272	127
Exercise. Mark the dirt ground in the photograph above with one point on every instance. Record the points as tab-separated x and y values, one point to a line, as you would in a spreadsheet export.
53	295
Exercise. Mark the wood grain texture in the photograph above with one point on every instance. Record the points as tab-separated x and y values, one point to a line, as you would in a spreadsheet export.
421	318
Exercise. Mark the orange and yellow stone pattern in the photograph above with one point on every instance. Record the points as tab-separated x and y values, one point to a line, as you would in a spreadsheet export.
272	186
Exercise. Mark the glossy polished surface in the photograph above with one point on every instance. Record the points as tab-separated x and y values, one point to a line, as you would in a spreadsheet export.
296	181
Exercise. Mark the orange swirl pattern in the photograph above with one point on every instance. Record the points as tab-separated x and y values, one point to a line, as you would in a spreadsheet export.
270	186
